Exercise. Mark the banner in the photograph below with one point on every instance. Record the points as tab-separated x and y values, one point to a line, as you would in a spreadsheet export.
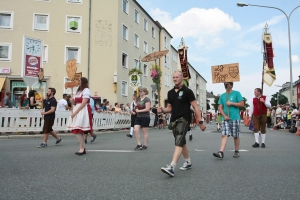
225	73
134	81
269	71
182	52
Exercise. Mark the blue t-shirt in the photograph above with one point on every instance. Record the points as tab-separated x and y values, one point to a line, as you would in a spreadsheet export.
235	97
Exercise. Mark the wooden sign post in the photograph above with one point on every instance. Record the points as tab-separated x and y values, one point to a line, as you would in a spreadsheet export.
225	73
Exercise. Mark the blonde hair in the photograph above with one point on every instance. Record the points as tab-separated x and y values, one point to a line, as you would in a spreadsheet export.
178	71
144	89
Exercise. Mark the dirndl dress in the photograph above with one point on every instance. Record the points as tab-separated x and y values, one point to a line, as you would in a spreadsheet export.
83	121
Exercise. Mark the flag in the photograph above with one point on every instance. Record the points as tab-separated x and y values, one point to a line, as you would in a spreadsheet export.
269	75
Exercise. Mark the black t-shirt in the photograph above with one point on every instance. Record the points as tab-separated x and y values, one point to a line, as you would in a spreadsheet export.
154	110
48	103
181	103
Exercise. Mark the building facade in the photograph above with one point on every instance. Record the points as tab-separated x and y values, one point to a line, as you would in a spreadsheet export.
107	38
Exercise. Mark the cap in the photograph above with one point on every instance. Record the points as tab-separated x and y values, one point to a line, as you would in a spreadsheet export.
8	92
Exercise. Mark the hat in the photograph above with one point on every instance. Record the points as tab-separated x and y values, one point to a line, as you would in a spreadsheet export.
8	92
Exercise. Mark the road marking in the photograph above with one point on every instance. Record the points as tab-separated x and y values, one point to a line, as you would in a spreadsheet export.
240	150
115	151
199	150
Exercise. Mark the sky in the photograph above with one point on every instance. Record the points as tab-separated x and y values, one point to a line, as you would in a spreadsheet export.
219	32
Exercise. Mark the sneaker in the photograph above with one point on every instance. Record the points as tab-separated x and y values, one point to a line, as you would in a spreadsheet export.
138	147
145	147
186	166
42	145
255	145
220	154
94	138
58	141
191	137
263	145
168	170
85	141
128	135
236	154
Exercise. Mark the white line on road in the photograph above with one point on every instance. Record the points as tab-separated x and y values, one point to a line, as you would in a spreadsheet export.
240	150
115	151
199	150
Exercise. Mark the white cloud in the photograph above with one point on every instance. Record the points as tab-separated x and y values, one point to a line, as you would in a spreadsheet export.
295	58
204	25
261	26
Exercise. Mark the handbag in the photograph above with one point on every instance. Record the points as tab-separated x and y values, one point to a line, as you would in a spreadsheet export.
251	126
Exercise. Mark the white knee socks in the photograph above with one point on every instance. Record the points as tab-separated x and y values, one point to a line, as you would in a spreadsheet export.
256	135
263	138
131	130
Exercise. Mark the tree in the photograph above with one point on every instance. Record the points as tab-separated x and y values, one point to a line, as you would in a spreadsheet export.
282	99
246	105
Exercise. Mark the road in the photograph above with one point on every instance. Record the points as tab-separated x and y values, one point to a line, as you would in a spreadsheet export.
119	172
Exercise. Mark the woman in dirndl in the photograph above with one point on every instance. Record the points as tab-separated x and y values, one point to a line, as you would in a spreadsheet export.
80	121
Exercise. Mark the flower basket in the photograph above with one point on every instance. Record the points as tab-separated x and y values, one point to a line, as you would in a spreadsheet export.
135	71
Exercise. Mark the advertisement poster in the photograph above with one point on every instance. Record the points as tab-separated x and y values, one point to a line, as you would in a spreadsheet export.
32	66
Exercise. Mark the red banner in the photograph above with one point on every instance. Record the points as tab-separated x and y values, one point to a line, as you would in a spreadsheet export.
32	65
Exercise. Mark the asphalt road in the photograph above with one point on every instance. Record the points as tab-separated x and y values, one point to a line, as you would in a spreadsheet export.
55	172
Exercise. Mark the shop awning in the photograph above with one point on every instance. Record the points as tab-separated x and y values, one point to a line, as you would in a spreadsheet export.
2	81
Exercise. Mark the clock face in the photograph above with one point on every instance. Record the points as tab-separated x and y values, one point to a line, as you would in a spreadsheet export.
33	47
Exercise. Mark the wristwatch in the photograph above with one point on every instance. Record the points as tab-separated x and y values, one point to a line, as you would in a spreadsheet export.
201	122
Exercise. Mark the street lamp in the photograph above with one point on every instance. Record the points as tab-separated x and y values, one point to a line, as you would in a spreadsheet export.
289	36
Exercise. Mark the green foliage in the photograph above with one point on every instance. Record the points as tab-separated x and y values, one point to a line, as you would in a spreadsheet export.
282	99
135	70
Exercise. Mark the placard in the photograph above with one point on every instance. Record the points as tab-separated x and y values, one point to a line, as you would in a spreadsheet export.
225	73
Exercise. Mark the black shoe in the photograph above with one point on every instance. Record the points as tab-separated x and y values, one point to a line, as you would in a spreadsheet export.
255	145
191	137
138	147
128	135
236	154
263	145
85	140
145	147
41	132
220	154
94	138
80	153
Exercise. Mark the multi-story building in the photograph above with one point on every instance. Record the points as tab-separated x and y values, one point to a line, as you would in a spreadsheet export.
295	92
107	38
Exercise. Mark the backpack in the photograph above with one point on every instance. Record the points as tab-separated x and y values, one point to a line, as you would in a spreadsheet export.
293	129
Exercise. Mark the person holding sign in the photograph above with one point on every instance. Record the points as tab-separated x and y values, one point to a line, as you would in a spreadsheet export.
229	104
180	99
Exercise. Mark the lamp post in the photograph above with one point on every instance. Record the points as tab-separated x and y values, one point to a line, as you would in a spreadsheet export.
289	36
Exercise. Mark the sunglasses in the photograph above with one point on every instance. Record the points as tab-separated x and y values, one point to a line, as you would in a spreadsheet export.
141	91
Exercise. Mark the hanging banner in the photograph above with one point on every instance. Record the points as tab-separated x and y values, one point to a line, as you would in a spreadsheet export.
225	73
182	53
269	71
134	81
32	60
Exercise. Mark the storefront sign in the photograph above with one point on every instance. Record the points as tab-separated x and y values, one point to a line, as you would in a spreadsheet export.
4	70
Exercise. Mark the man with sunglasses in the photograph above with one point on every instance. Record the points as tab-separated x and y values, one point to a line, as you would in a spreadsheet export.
229	104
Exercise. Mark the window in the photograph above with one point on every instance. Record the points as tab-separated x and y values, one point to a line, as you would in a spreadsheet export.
45	53
43	0
153	32
73	52
136	16
125	6
174	56
124	88
125	32
73	24
135	63
166	43
145	25
167	79
5	51
167	61
6	20
145	47
41	22
152	50
136	41
124	60
74	1
145	70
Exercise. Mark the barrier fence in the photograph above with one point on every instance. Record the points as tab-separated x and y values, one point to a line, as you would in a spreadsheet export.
22	120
